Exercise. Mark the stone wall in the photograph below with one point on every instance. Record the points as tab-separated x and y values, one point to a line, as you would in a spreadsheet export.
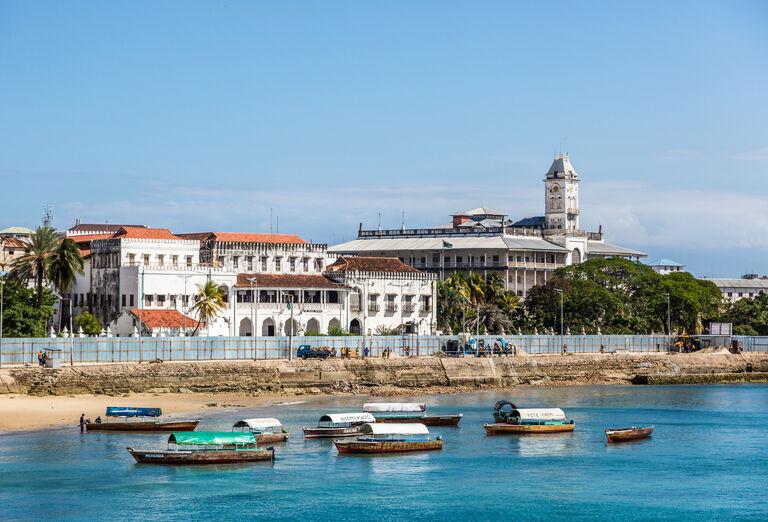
406	374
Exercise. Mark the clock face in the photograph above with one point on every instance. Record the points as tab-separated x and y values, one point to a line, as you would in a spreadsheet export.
556	189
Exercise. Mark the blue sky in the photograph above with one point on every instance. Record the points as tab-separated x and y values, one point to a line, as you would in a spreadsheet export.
203	115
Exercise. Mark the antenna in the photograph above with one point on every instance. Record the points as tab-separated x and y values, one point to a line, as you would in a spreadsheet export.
48	216
402	225
379	221
277	225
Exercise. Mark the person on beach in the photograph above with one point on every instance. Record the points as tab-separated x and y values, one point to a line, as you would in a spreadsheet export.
82	423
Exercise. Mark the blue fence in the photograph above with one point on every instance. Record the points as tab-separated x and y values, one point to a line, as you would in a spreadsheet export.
135	349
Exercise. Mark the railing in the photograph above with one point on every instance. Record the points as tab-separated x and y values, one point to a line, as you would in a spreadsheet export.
374	307
391	307
133	349
408	307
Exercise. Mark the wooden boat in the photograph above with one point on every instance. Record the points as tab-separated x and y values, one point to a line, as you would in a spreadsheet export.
338	425
205	447
266	430
409	412
390	438
627	434
515	420
140	419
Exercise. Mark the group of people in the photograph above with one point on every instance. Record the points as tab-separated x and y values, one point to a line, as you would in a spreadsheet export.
42	357
84	422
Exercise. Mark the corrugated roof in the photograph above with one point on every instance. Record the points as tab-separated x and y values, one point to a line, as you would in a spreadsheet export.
532	243
536	221
145	233
285	281
246	237
664	262
491	242
741	283
100	228
163	318
485	223
483	211
607	249
12	242
370	264
87	238
22	231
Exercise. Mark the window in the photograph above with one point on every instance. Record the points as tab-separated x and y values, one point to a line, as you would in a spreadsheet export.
189	261
148	300
305	264
332	296
389	301
160	259
459	259
446	260
185	301
130	300
435	258
730	294
249	262
109	299
131	259
408	303
425	303
318	265
264	263
495	260
236	261
122	300
423	260
146	259
220	261
278	263
175	260
292	263
174	304
373	305
160	299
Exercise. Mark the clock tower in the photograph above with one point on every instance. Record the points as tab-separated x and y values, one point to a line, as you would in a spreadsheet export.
561	198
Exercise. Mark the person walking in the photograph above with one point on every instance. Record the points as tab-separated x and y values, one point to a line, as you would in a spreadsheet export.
82	423
40	358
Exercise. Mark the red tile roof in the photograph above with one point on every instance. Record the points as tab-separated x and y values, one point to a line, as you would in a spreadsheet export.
145	233
286	281
87	238
369	264
97	228
246	237
12	242
163	318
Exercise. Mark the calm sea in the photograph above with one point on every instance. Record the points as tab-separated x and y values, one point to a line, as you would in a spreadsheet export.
708	459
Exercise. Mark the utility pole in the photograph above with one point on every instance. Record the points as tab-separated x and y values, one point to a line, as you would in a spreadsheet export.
2	289
669	317
290	330
561	310
252	280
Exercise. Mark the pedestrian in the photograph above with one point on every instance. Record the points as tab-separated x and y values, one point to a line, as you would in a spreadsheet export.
82	423
40	358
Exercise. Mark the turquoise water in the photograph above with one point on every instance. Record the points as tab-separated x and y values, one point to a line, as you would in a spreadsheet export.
708	459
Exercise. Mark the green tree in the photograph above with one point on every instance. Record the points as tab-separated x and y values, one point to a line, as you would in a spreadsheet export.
749	316
64	264
90	324
459	298
34	265
208	305
22	316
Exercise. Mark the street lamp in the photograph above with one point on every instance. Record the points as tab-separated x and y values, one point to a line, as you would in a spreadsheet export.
2	288
561	309
669	316
252	280
71	332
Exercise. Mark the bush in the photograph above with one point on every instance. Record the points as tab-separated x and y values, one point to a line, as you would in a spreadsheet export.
90	324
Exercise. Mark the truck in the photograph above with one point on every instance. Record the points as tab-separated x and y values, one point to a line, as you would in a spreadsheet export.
306	351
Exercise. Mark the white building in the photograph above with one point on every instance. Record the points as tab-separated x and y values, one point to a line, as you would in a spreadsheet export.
748	286
665	266
484	240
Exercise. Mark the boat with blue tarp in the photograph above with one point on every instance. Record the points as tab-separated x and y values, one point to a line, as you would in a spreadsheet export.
511	419
123	418
205	447
390	438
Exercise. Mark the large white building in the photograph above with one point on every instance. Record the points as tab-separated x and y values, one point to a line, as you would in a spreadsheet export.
746	287
483	240
144	280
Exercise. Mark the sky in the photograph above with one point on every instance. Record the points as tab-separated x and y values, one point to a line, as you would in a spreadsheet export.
206	115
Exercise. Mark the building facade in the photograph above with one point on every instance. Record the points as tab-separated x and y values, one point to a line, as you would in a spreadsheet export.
483	240
747	287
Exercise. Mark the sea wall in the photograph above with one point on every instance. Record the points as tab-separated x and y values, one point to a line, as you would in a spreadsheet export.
395	375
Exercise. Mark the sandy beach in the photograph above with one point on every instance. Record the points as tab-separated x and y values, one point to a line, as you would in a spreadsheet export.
23	412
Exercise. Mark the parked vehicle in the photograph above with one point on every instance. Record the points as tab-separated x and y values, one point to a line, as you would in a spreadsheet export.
306	351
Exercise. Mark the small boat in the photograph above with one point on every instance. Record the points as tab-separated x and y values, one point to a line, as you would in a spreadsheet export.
409	412
527	420
265	430
338	425
205	447
390	438
139	419
626	434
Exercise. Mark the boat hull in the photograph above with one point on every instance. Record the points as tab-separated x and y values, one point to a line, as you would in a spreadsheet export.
525	429
628	434
143	426
200	457
355	447
269	438
319	433
431	420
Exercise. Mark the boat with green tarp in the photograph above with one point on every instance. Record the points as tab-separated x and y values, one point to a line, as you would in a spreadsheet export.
205	447
125	418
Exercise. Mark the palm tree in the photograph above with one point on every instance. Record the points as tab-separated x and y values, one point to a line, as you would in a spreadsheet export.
209	303
34	265
476	286
64	264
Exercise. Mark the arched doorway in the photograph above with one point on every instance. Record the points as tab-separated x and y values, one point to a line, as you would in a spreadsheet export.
268	327
333	324
354	327
291	327
246	328
576	256
313	327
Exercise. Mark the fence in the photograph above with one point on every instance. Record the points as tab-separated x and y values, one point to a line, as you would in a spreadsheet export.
135	349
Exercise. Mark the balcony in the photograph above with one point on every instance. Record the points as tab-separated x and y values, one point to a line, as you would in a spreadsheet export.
355	307
573	211
391	307
409	308
374	307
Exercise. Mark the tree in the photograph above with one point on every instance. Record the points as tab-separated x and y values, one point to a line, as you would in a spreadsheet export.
34	265
209	304
749	316
64	264
90	324
459	298
22	317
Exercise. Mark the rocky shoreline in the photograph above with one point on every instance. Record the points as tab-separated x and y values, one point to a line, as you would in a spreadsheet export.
396	376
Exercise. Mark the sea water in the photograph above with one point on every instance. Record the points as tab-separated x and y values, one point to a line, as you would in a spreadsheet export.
707	459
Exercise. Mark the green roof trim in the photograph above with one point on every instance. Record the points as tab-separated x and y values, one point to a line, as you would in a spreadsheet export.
211	438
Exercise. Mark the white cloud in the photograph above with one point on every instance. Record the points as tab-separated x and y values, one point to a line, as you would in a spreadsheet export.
760	154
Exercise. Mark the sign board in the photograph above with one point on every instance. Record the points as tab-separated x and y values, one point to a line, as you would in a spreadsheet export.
720	328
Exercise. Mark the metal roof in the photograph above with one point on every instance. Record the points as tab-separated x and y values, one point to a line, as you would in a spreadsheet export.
741	283
664	262
532	243
260	424
395	429
536	221
394	406
491	242
600	247
18	230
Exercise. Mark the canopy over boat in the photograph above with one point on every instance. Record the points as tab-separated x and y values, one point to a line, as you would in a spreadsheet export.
340	418
539	414
394	407
124	411
211	438
394	429
258	424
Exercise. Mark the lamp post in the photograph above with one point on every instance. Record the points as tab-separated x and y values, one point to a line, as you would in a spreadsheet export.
2	289
71	333
669	316
252	280
561	309
290	330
